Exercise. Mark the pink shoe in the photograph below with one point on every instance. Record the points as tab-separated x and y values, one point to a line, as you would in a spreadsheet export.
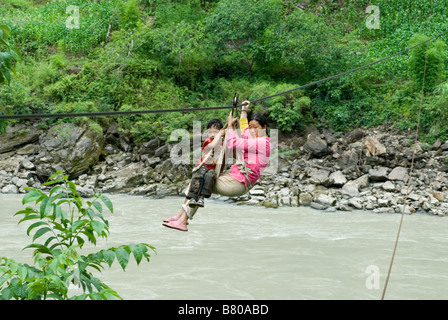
171	219
175	218
175	225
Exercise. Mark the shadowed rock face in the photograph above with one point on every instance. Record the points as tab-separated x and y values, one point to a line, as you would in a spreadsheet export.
14	140
68	148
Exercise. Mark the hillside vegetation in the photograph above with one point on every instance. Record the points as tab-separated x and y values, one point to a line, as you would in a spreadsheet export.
161	54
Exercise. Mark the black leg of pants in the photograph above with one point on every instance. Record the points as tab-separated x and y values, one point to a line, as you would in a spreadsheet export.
202	183
209	181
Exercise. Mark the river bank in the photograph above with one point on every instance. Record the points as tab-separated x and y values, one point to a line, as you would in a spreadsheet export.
363	169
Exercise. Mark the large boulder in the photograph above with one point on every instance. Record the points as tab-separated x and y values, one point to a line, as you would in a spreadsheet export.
15	140
69	148
315	146
348	159
127	178
374	146
337	179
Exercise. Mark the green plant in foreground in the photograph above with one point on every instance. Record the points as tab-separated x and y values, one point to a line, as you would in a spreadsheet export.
63	224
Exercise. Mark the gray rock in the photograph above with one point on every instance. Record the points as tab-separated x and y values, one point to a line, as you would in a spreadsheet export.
10	163
319	176
161	151
374	146
318	206
28	149
399	173
362	181
305	199
150	146
127	178
27	164
348	159
152	162
444	146
20	183
355	202
326	200
257	192
315	145
10	188
355	135
379	174
284	198
15	140
69	148
388	186
351	188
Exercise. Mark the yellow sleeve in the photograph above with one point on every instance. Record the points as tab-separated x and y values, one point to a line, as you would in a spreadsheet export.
243	124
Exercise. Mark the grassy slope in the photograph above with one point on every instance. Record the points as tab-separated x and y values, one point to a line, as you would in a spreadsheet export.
80	76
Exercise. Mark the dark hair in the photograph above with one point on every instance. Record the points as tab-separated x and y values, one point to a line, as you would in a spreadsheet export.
261	119
215	123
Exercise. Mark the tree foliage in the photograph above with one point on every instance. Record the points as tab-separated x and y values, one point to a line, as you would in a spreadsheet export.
237	28
189	53
8	55
62	222
426	62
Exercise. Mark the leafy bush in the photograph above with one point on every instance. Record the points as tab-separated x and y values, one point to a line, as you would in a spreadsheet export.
400	21
7	5
427	58
302	47
182	49
237	28
434	116
131	15
172	12
47	24
290	116
64	223
7	57
7	66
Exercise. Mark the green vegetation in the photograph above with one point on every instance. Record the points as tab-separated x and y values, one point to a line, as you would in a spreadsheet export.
64	223
8	56
148	54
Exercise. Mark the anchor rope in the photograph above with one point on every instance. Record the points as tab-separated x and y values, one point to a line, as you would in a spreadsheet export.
411	167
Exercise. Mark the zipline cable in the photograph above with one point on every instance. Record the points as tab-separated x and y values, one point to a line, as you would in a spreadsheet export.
139	112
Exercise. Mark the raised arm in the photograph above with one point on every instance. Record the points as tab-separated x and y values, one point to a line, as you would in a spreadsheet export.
217	140
244	124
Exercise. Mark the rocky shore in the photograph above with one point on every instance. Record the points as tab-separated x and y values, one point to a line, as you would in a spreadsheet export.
364	169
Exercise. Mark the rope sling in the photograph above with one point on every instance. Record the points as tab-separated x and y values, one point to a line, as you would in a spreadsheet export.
239	153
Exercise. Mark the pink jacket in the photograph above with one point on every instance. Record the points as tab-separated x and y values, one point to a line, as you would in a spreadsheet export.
256	155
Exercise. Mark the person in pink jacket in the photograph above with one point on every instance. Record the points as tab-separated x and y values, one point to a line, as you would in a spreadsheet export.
254	149
255	146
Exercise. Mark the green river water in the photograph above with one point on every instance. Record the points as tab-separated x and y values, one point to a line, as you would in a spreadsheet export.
244	252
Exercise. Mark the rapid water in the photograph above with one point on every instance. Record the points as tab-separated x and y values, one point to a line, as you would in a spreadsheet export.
243	252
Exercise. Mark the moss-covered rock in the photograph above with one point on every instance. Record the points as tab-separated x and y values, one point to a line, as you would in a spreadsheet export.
69	148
